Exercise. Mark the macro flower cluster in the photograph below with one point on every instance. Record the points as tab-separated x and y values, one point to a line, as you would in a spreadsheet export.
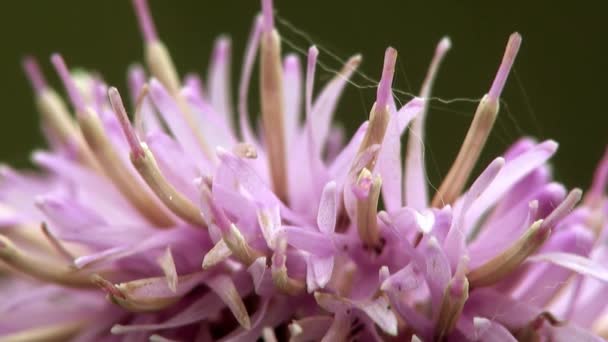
190	223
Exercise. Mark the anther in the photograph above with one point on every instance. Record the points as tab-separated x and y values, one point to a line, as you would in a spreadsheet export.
118	172
478	132
124	295
510	259
32	70
271	96
367	208
68	82
380	116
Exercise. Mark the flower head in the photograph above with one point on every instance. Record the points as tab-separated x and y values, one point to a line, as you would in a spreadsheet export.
183	223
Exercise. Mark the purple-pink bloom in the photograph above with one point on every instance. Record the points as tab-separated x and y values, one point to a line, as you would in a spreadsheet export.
186	222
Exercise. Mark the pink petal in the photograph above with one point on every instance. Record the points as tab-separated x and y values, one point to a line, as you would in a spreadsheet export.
573	262
511	173
328	209
487	330
173	117
309	240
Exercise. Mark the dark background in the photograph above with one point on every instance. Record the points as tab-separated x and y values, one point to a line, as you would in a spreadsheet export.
557	90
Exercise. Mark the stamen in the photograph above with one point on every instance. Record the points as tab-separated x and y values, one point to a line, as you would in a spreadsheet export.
146	23
34	75
562	209
379	115
281	280
442	48
505	66
120	295
268	16
56	115
68	82
454	298
118	172
217	254
215	215
367	209
121	115
271	96
240	247
162	67
313	53
478	132
248	63
57	245
245	150
510	259
181	206
41	268
386	82
231	235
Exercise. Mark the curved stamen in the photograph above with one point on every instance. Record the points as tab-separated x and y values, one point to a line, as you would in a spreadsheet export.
34	75
56	116
478	132
117	171
268	16
121	115
271	98
379	116
146	24
367	208
68	82
386	82
505	66
162	67
41	268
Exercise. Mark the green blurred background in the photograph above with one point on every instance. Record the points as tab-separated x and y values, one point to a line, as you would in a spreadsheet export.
556	91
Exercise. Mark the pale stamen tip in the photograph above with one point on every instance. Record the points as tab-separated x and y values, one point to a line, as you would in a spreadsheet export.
505	66
121	114
222	48
444	45
146	24
386	82
34	75
267	13
313	50
68	82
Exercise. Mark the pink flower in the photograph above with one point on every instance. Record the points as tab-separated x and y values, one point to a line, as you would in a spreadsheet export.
188	223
